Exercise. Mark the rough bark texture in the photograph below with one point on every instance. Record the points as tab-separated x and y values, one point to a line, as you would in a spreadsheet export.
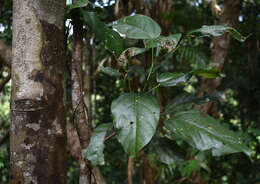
220	51
80	118
76	153
38	120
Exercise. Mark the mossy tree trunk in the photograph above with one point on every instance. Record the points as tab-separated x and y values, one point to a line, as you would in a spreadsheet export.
38	120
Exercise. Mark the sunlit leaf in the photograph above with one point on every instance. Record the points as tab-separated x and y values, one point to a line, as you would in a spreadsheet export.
94	152
136	117
204	132
173	79
138	27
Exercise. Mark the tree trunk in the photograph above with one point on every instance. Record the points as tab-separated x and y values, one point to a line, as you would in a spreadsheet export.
219	51
38	116
80	119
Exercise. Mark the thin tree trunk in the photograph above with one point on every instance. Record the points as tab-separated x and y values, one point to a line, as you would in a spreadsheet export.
81	120
219	52
38	115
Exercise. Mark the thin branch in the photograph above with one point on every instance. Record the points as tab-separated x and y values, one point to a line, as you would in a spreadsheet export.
110	137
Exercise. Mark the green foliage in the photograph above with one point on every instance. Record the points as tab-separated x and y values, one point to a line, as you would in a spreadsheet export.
112	40
136	117
78	4
186	101
109	71
173	79
94	152
138	27
168	43
208	73
216	31
167	151
204	132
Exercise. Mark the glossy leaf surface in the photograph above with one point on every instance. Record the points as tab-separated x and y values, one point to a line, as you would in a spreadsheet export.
94	152
136	117
173	79
204	132
138	27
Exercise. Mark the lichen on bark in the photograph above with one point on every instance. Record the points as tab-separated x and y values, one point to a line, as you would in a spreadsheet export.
37	135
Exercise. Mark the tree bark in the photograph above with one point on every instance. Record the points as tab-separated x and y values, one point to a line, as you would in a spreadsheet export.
80	119
38	115
219	52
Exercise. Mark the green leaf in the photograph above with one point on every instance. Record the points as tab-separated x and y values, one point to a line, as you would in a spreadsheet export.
109	71
186	101
204	132
138	27
112	40
166	150
217	30
94	152
208	73
136	117
78	4
173	79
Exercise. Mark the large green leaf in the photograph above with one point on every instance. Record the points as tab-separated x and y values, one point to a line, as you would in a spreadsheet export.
204	132
94	152
217	30
138	27
112	40
136	117
173	79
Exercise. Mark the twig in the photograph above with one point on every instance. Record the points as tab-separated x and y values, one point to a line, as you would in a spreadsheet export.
110	137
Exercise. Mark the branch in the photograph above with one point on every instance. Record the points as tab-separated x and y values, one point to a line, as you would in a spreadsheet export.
110	137
5	54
